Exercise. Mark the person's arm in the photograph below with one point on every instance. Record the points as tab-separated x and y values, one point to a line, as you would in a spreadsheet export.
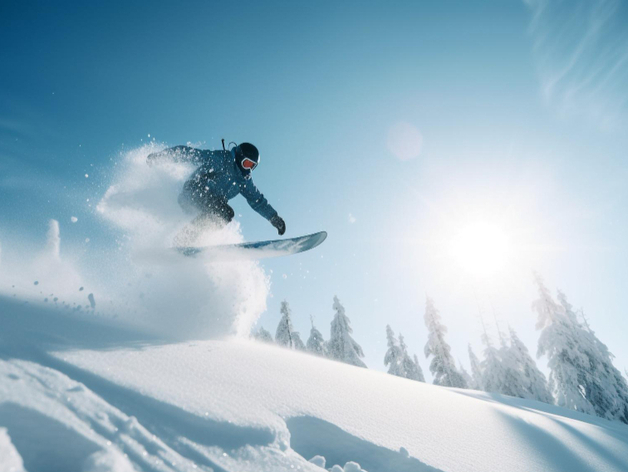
176	154
258	202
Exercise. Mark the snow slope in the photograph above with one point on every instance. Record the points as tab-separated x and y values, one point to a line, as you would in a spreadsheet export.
81	393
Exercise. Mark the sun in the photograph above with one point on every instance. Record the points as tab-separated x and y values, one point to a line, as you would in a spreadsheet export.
481	249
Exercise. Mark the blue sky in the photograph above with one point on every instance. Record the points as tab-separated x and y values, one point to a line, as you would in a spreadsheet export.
520	106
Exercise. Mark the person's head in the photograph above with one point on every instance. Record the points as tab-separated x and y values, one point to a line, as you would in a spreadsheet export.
246	156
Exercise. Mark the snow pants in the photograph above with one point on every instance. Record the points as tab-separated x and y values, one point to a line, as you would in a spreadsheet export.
194	199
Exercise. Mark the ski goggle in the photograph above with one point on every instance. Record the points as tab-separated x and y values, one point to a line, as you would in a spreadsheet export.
248	164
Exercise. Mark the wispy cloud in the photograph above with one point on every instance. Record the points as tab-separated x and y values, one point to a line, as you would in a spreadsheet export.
10	126
581	50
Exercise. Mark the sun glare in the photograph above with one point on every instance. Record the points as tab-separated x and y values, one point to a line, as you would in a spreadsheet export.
481	249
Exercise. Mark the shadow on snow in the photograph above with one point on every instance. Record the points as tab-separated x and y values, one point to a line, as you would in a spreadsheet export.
310	436
29	331
554	450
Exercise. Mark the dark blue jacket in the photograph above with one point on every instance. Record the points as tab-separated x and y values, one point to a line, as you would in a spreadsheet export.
218	175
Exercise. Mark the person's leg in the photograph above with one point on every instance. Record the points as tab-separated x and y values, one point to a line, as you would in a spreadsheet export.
221	211
187	204
215	213
196	197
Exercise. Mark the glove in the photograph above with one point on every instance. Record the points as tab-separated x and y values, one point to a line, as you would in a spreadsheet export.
278	222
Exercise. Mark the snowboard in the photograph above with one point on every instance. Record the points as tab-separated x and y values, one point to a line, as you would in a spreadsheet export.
258	249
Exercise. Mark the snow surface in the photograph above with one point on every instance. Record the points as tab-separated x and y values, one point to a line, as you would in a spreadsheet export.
10	459
80	393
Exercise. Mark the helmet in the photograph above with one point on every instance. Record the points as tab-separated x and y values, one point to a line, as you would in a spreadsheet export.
246	156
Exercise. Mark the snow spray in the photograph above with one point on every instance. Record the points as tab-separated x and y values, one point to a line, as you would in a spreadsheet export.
144	281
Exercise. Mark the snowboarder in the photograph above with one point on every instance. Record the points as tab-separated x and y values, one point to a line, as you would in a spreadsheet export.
220	176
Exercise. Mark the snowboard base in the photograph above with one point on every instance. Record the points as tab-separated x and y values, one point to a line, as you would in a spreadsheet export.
256	250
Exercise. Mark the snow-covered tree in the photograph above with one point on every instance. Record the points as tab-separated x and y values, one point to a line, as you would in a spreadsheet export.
562	342
535	382
465	375
341	345
442	365
420	376
297	343
513	379
316	343
582	375
605	388
394	357
511	371
399	361
283	336
411	367
286	335
476	371
515	382
263	335
493	371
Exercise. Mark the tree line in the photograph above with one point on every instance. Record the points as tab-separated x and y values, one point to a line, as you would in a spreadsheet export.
582	375
341	346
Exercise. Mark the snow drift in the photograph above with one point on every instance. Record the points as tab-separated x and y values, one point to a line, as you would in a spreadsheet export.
112	399
142	280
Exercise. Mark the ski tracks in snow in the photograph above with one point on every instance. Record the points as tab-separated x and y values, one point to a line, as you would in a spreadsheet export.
57	423
57	416
60	417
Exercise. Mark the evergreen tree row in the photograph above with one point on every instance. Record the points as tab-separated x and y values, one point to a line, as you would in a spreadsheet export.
582	375
509	370
341	346
398	360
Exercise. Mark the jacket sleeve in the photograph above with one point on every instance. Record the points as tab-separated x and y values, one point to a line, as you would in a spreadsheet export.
256	200
177	154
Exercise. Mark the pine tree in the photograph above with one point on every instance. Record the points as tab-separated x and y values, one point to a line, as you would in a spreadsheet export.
493	371
421	377
536	383
286	335
399	361
605	387
316	343
465	375
560	340
511	371
263	336
394	357
476	371
442	365
283	336
411	367
515	382
582	376
296	341
341	345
